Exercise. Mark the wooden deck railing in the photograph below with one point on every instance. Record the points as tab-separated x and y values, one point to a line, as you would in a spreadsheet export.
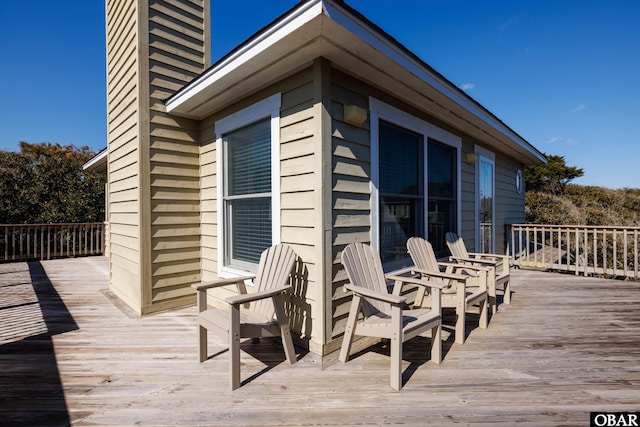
20	242
589	250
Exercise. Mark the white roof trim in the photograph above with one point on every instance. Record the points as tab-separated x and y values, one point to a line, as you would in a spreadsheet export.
397	54
272	35
306	12
96	161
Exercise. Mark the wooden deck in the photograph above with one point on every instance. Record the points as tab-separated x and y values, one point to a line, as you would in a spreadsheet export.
566	346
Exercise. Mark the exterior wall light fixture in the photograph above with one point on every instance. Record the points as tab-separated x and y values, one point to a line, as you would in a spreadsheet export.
355	114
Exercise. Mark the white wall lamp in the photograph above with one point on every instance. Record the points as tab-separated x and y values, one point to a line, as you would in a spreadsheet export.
355	114
470	158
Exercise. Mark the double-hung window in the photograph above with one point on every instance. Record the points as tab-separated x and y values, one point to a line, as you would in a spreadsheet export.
415	178
248	191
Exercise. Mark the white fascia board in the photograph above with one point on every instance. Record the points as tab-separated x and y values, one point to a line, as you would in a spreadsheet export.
96	161
397	54
262	42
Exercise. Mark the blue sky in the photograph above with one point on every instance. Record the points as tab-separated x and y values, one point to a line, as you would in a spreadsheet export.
563	74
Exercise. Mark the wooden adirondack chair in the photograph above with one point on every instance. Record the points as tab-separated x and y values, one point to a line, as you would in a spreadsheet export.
465	287
383	314
263	309
499	264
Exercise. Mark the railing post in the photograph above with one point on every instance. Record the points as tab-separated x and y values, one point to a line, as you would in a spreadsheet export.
559	231
595	251
20	242
577	242
586	252
624	250
604	251
615	252
635	254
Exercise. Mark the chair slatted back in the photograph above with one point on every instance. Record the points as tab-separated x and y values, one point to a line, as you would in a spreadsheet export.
364	269
456	245
276	263
422	254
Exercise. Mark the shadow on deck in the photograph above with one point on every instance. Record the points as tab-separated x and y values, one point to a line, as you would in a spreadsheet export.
31	313
566	346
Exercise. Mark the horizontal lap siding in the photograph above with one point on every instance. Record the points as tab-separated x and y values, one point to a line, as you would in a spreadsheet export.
123	110
208	201
509	203
300	183
468	196
176	56
351	193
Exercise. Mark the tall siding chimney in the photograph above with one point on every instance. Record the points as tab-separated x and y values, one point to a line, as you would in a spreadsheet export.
154	47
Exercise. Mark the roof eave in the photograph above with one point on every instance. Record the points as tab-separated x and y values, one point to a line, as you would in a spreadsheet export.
333	30
97	162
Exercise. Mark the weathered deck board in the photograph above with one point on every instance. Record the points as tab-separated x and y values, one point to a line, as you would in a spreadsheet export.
566	346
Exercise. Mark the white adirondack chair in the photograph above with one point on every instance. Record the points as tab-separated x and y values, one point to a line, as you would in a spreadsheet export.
499	264
383	314
262	314
465	289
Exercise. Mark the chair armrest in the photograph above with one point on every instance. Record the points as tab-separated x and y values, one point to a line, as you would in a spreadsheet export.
459	266
368	293
484	256
220	282
255	296
441	275
476	260
416	281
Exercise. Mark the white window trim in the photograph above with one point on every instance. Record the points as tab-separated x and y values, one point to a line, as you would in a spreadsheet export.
489	157
269	107
382	111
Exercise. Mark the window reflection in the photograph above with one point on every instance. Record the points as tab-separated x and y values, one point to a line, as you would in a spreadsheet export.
442	194
403	206
401	193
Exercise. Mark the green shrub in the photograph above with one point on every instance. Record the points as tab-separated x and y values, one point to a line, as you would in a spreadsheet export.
584	205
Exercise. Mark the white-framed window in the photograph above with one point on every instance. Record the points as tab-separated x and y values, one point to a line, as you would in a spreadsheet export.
248	190
415	183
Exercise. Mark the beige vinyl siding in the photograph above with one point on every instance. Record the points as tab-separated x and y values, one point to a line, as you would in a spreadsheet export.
208	201
154	47
468	213
176	55
351	192
509	203
300	184
123	172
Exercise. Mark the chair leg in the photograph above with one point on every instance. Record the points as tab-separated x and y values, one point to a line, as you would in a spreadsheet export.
491	290
234	347
285	331
436	344
349	330
396	348
461	308
484	313
507	292
436	332
460	322
202	343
